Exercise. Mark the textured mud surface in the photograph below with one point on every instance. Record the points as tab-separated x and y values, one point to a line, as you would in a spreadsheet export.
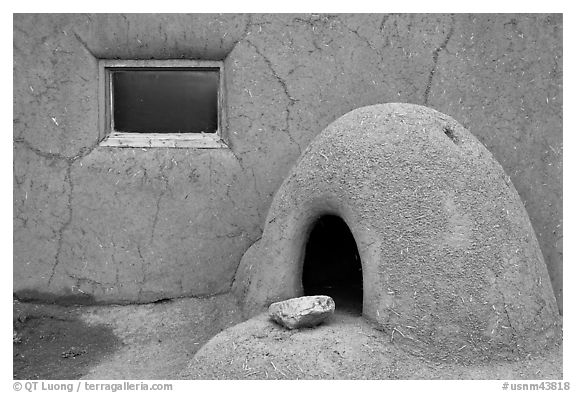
446	246
127	225
345	347
153	341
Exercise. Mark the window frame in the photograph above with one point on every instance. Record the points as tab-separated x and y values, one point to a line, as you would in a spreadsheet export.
110	137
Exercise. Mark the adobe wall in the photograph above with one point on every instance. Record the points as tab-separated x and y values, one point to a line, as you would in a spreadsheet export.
105	224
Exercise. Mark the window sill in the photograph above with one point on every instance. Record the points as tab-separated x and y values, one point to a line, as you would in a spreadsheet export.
132	139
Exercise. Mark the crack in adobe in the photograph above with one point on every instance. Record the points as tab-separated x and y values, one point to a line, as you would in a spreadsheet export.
142	264
255	183
238	159
83	43
257	189
117	277
385	18
515	335
156	214
65	225
246	28
83	152
162	193
361	37
435	56
284	86
245	33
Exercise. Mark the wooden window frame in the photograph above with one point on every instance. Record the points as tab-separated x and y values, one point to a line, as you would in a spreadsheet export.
111	138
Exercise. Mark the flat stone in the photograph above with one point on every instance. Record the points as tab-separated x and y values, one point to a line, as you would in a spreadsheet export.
299	312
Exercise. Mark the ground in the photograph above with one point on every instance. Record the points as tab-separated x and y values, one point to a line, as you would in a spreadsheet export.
160	340
152	341
347	347
54	343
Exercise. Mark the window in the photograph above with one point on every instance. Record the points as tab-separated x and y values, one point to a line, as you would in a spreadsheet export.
161	103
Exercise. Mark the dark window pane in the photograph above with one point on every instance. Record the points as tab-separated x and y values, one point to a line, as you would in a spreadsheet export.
165	100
